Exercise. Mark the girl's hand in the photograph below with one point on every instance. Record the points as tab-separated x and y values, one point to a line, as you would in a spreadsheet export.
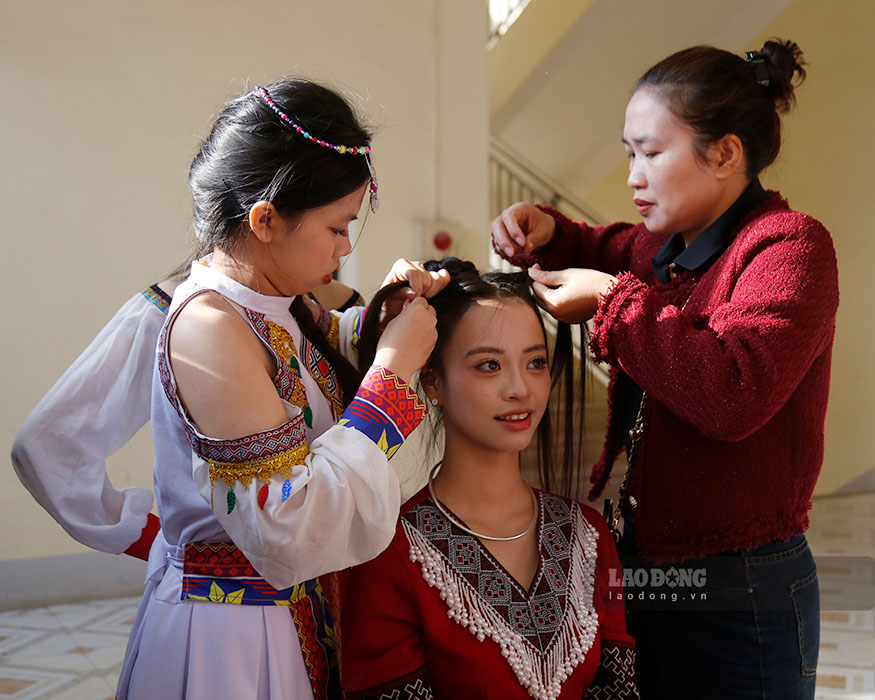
408	340
570	295
422	283
522	228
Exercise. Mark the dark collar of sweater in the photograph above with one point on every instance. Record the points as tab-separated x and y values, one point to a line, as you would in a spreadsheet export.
675	255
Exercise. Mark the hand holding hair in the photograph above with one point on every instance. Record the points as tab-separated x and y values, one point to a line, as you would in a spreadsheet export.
570	295
522	228
408	339
422	282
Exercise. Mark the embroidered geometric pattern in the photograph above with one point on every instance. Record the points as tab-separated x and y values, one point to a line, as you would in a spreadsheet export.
417	690
277	338
324	375
157	296
218	572
318	639
544	632
615	677
396	399
384	409
262	469
410	688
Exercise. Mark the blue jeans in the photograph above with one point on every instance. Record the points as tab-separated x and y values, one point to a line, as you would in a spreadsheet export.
754	636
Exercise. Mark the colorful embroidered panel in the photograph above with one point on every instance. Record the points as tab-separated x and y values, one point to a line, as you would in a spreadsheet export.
279	340
323	374
413	687
615	677
218	572
157	296
385	409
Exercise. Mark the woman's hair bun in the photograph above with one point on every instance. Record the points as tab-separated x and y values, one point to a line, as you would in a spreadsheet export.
452	265
786	66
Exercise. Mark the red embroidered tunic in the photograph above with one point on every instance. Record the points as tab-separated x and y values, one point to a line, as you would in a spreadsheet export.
738	380
435	627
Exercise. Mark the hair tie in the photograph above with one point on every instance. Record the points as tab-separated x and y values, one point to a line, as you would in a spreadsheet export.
757	60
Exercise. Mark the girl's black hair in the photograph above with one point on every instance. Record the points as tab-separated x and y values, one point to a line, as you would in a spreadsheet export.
716	93
250	155
466	286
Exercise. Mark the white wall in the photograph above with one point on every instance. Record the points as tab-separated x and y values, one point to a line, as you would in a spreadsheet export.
103	107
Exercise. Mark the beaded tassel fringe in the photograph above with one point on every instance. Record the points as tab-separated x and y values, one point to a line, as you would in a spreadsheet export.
540	674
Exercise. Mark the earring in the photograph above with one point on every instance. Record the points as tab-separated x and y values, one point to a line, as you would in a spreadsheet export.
434	402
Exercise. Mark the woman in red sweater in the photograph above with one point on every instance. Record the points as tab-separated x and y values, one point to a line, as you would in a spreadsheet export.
717	316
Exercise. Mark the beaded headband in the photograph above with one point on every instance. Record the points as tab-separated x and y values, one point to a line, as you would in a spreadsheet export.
351	150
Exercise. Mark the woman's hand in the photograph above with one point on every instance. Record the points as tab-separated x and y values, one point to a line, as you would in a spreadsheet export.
408	340
570	295
422	283
522	228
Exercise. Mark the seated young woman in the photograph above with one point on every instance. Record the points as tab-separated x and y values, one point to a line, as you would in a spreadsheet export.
490	588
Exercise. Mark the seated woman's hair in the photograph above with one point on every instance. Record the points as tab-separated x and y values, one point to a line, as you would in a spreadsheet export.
466	287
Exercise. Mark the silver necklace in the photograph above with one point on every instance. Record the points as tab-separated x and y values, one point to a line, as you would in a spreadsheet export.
458	524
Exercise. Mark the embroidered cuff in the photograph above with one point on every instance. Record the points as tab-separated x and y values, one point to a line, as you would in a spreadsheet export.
385	409
615	676
258	456
140	548
611	306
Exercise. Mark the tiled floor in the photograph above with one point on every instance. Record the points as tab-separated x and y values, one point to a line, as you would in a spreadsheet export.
75	652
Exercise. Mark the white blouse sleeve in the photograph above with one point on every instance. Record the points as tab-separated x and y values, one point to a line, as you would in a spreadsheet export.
298	511
97	406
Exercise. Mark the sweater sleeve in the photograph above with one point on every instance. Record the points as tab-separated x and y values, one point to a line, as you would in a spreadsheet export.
97	406
577	244
383	653
729	369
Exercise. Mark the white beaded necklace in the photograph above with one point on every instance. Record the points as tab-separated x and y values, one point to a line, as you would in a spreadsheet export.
461	526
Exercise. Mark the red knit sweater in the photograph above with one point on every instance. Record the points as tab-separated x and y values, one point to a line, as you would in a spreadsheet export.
738	381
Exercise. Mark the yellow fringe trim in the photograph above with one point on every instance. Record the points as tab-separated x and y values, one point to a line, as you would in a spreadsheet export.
262	469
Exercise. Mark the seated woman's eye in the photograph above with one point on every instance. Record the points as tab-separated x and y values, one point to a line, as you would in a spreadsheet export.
489	366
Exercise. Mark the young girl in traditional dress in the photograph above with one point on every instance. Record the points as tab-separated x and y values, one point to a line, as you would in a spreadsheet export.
97	406
716	314
271	449
490	588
